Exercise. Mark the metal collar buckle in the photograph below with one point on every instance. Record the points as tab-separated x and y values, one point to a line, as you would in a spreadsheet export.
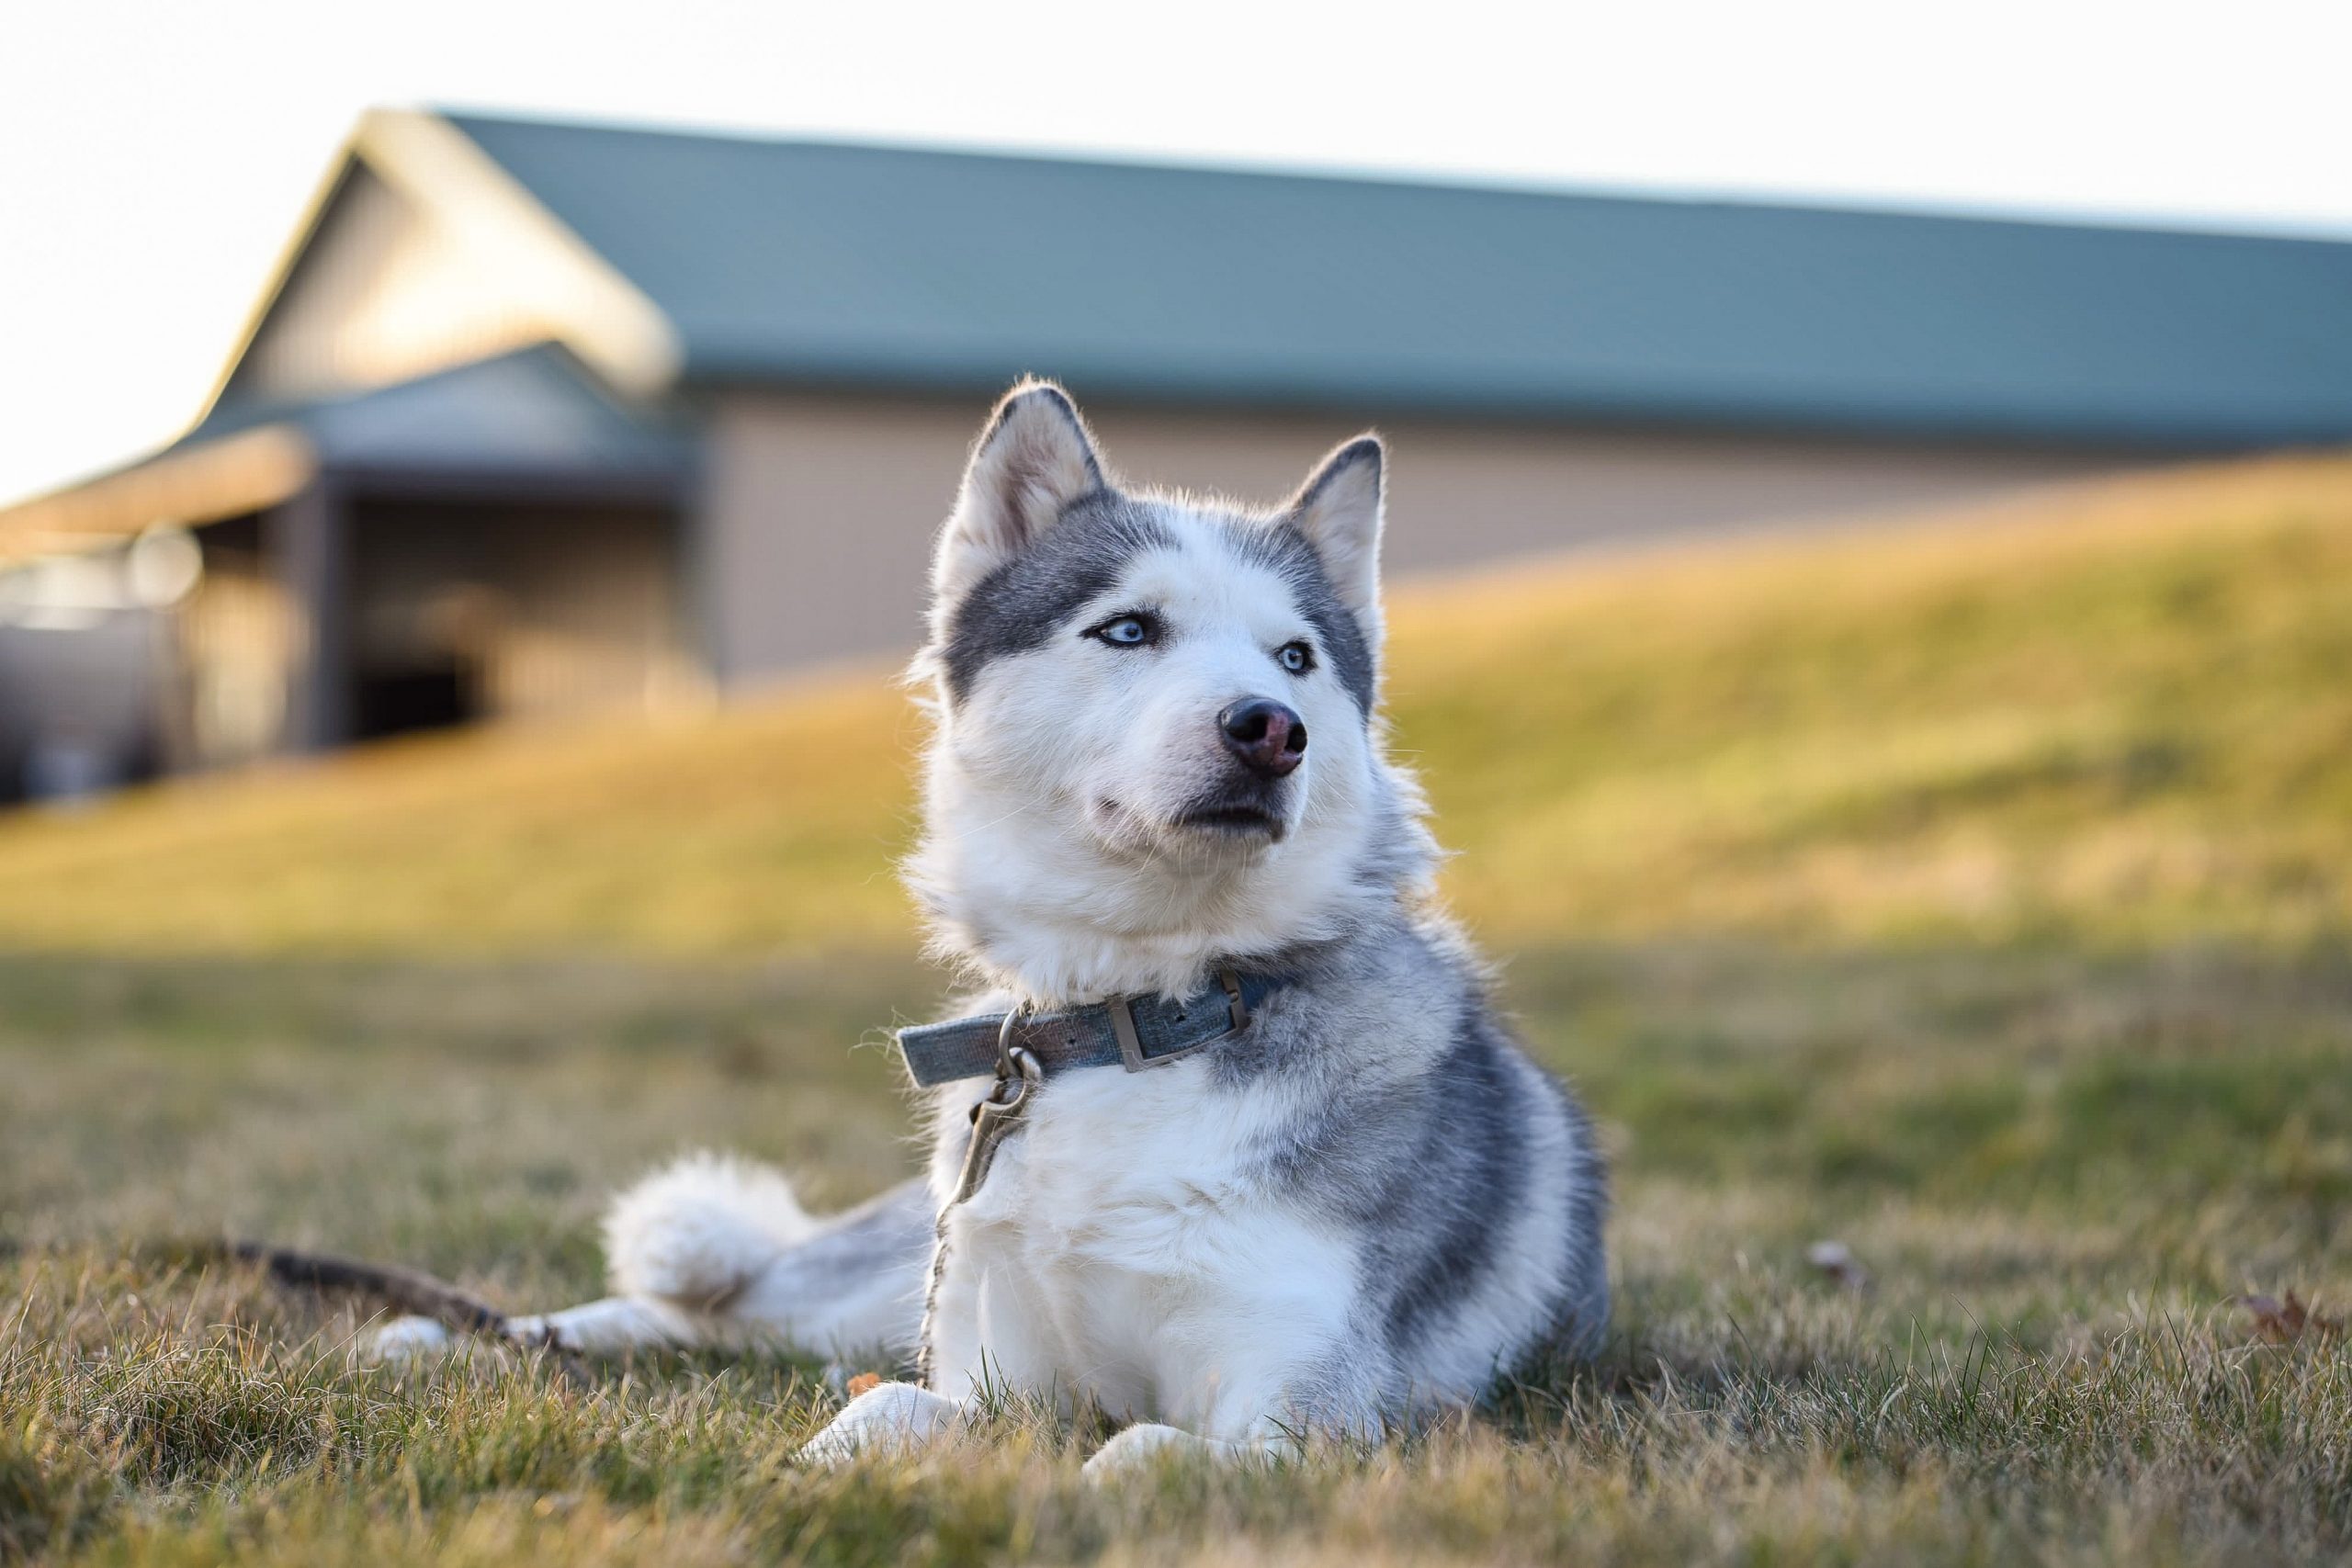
1122	1025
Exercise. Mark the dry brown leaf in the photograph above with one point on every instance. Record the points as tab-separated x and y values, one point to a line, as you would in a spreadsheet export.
2284	1322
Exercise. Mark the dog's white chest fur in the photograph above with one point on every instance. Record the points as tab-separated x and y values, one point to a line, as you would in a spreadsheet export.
1127	1247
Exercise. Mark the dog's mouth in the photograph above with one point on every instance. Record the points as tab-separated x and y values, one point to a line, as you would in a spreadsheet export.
1234	819
1217	823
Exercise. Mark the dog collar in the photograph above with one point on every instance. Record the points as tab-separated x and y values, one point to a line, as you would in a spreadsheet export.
1134	1032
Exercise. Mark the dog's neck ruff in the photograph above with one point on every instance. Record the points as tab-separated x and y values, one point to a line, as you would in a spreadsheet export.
1134	1032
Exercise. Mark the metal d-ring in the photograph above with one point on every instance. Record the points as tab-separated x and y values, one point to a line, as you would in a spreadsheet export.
1008	1064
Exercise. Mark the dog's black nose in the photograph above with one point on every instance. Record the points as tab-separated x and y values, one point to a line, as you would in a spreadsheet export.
1269	738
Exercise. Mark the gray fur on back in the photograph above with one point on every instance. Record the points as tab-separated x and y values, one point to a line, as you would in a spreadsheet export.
1430	1133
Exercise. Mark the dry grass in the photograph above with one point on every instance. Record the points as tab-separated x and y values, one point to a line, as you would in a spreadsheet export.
2117	714
1976	898
2056	1170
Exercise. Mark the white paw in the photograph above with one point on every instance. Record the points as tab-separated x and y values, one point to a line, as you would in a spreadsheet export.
1140	1447
404	1339
537	1333
895	1418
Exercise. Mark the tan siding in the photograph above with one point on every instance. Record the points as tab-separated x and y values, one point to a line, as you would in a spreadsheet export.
820	520
821	509
594	618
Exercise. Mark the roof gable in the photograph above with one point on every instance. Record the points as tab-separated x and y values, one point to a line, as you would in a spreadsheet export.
384	290
421	254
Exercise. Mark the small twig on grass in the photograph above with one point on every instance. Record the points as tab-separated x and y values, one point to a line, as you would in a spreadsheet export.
410	1290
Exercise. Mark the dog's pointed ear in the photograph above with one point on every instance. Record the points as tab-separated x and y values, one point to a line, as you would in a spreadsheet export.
1034	458
1340	510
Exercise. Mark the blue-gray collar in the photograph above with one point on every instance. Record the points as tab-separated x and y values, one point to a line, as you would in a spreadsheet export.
1134	1032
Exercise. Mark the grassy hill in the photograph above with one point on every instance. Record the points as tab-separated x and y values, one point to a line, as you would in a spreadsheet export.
2118	712
1976	896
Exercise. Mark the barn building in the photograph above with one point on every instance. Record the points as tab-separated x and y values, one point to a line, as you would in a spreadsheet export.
539	417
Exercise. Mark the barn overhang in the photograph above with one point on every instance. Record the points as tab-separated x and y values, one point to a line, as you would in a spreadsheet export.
249	471
530	425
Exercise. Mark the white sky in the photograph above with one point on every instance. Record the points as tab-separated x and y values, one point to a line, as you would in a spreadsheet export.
154	156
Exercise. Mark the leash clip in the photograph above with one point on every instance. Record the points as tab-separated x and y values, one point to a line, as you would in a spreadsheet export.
1018	1071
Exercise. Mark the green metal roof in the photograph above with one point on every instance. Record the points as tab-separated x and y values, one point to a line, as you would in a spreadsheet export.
818	263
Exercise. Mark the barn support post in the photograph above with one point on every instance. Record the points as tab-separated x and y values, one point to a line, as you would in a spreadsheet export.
308	538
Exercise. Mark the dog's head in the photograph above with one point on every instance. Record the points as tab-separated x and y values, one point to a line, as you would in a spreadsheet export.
1157	740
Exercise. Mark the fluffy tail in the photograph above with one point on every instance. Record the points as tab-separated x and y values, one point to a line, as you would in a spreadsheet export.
700	1231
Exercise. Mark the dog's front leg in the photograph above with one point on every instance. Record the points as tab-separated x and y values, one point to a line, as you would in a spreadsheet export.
895	1418
1139	1447
901	1418
1260	1412
981	1349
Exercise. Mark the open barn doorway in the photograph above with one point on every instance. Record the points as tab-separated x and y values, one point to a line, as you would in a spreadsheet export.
462	611
436	695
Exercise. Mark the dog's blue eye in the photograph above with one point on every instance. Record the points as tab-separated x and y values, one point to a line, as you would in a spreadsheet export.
1296	657
1127	631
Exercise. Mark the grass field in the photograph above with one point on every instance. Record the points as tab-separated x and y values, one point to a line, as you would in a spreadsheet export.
1977	898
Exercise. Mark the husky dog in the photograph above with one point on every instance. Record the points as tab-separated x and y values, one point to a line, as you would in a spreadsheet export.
1256	1159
